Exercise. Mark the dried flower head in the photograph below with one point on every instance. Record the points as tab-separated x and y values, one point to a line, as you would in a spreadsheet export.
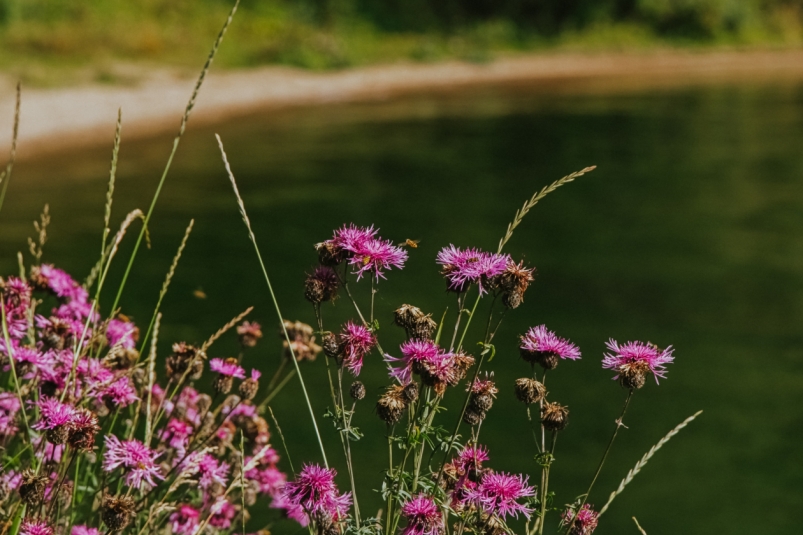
473	416
529	390
302	341
410	392
83	429
542	346
249	333
554	416
586	521
391	404
185	357
423	516
117	511
32	487
634	360
250	387
482	393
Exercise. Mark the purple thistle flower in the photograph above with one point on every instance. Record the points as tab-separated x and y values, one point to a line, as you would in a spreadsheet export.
315	491
9	407
223	512
352	238
121	392
356	341
134	456
35	527
586	521
84	530
53	414
498	492
270	479
376	254
542	346
224	367
212	471
122	333
423	516
631	361
470	458
413	353
291	510
463	267
184	520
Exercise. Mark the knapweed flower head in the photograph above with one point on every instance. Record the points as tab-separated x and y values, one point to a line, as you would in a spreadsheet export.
356	341
586	522
414	354
184	520
498	494
55	419
249	332
321	285
376	255
35	527
542	346
58	281
84	530
136	459
634	360
227	367
423	516
469	460
463	267
314	490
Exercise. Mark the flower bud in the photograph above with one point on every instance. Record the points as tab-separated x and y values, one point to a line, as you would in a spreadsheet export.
410	392
331	347
473	416
357	391
512	299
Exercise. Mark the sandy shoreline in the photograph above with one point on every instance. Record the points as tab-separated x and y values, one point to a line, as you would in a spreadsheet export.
56	119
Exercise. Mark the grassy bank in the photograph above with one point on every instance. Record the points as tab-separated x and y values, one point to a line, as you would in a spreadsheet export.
57	41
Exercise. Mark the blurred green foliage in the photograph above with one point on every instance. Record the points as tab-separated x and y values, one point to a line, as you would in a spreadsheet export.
335	33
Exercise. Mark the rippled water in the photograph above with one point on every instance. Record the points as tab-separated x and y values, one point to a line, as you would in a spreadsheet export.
689	233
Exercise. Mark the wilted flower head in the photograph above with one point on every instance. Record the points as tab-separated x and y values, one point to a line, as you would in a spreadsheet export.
249	333
423	516
355	342
463	267
498	494
315	491
135	457
542	346
586	521
633	360
35	527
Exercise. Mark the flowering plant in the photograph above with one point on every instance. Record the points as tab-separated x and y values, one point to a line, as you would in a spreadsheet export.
97	440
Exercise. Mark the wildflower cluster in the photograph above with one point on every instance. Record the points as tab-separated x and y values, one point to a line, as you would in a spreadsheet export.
94	442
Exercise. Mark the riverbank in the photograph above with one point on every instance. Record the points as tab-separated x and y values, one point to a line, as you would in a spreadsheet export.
152	102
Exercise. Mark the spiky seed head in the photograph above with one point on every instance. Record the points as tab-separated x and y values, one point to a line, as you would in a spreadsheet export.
424	328
357	391
554	416
529	390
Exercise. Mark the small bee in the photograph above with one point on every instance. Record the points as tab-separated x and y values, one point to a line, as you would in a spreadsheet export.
410	243
199	294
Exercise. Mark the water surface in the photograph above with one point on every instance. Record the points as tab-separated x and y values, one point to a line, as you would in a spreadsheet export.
688	233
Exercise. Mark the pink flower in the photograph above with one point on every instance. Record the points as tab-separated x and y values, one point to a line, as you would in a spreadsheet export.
177	435
637	357
293	511
35	527
413	353
121	392
232	369
356	341
84	530
541	340
184	520
212	471
135	457
314	490
9	407
352	238
223	513
270	480
53	414
463	267
423	516
376	254
586	521
470	458
498	492
122	333
60	283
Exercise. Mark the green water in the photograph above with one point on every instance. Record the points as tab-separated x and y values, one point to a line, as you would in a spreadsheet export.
689	233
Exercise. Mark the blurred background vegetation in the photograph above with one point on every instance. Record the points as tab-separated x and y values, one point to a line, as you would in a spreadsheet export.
325	34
